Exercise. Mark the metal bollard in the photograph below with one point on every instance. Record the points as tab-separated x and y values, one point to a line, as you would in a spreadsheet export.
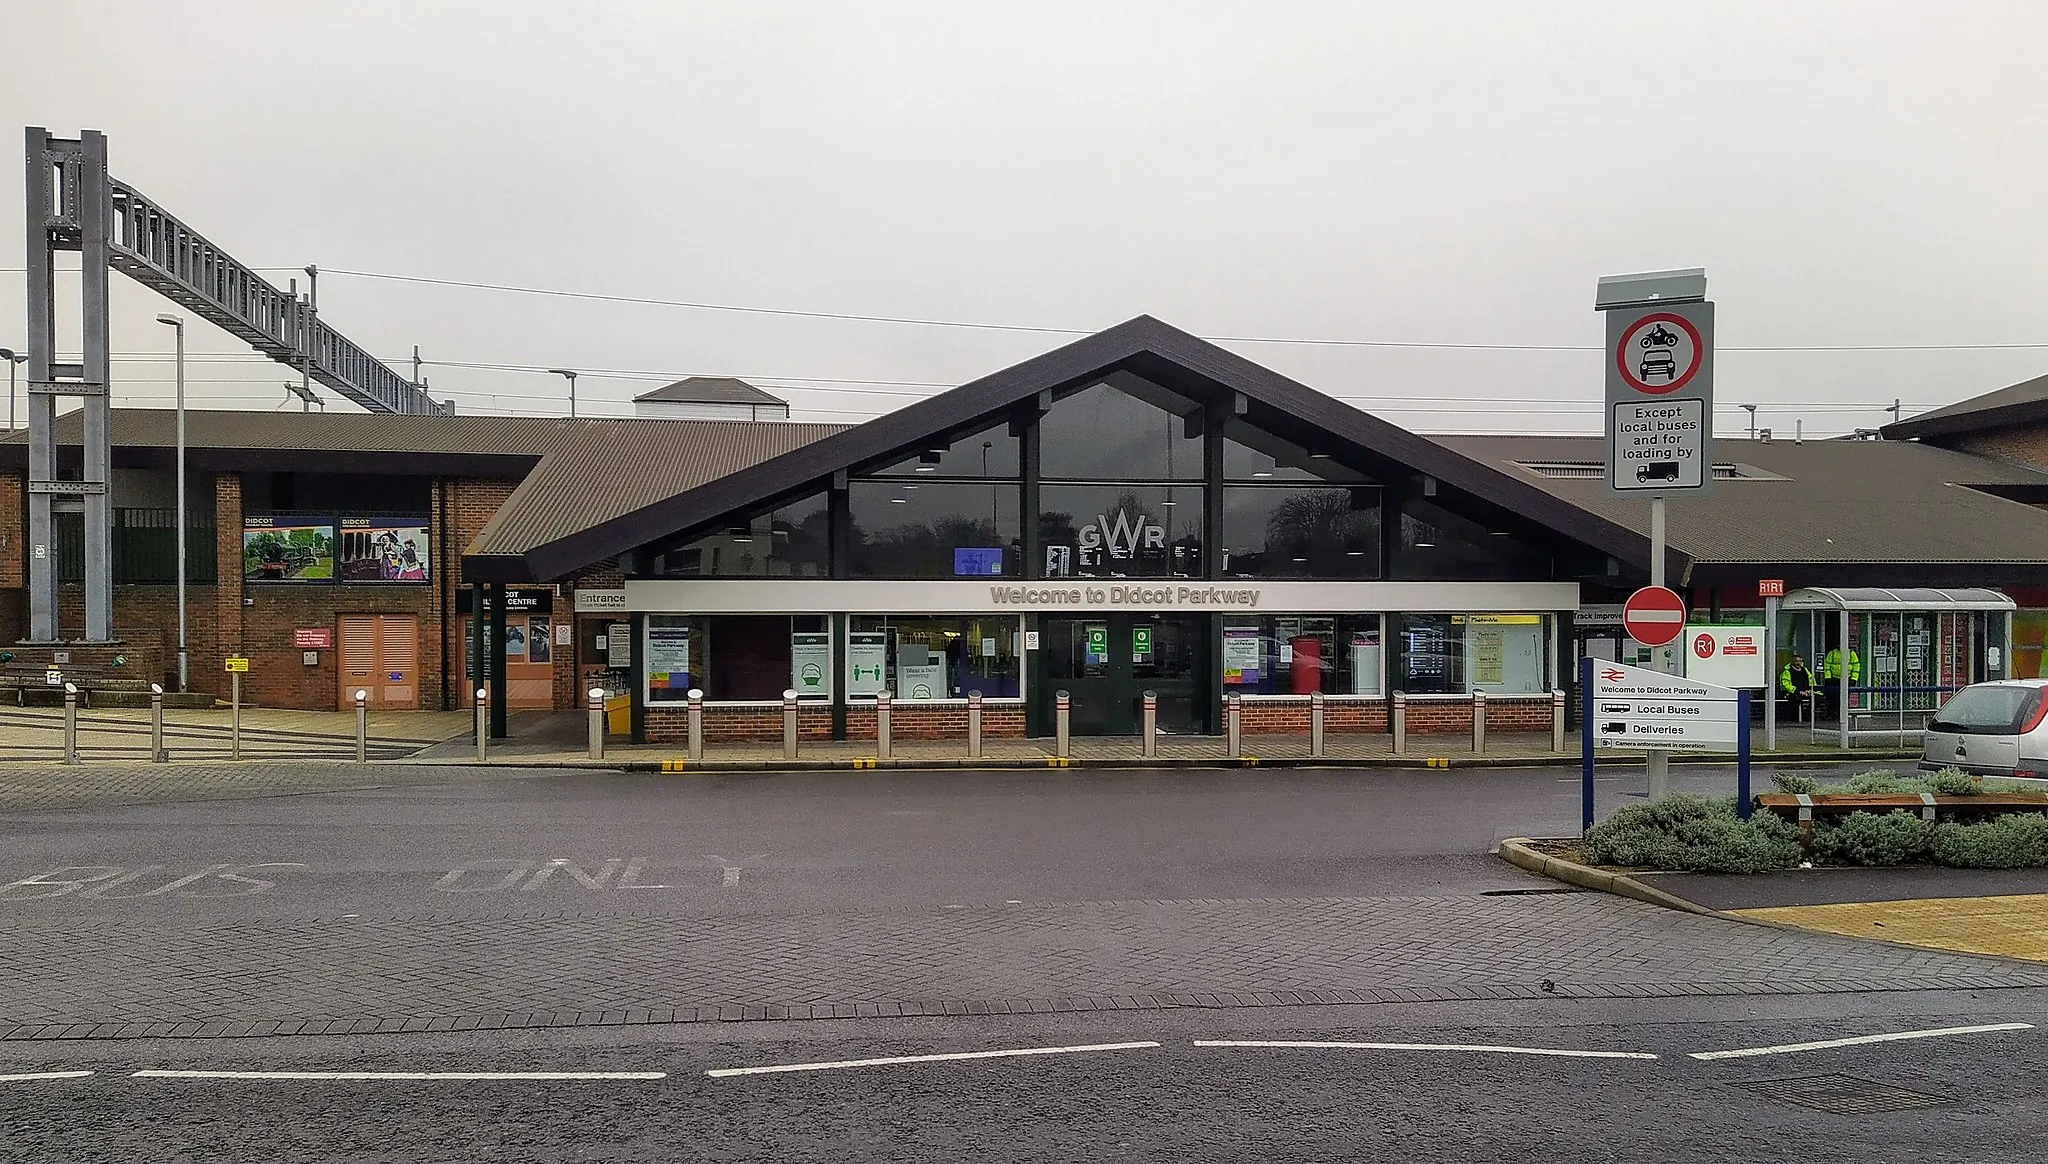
1315	724
1557	721
1400	725
483	724
597	723
1233	724
1062	722
71	723
1479	723
883	743
696	723
1148	746
362	726
789	724
974	725
157	754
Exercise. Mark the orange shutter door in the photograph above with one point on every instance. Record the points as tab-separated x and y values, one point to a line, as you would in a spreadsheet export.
358	658
398	638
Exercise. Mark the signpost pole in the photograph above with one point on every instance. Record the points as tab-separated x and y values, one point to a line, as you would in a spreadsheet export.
1586	743
1742	752
1771	673
235	715
1657	763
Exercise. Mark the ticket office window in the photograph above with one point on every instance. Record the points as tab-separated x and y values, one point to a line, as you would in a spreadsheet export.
1302	654
734	658
937	658
1457	654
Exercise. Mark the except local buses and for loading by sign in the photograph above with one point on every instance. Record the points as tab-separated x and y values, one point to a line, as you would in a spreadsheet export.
1660	398
1636	708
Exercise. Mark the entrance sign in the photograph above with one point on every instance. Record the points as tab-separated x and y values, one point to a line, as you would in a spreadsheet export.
1726	656
1660	398
1636	708
1653	616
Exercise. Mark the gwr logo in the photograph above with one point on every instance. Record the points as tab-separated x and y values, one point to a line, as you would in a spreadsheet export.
1122	535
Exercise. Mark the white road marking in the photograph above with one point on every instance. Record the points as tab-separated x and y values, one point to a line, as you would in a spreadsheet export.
1826	1044
1479	1048
723	1072
34	1075
528	1076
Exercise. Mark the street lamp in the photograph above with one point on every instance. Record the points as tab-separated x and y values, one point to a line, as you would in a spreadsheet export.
1751	409
13	361
184	659
572	388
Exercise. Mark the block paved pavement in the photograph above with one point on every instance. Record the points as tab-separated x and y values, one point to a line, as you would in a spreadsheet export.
35	787
443	971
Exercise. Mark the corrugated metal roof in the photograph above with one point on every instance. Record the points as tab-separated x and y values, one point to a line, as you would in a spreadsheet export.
710	390
604	472
361	431
2014	404
1817	502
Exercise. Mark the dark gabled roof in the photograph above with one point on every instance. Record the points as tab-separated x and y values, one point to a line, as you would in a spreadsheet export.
627	466
710	390
1144	346
2023	403
1896	511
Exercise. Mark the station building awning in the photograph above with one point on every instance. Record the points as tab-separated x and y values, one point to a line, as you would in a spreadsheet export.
1874	598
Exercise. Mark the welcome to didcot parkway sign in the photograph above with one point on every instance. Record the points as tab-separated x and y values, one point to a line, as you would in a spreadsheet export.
1096	596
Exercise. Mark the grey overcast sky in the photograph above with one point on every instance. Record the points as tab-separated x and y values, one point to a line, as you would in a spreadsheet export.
1435	172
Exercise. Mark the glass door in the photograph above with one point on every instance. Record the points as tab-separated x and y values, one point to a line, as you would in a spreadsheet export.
1167	654
1080	657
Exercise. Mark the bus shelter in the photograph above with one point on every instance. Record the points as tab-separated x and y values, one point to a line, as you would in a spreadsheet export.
1888	658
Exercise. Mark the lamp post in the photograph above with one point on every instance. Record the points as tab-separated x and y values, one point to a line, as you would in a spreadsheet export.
184	660
572	388
14	360
1751	409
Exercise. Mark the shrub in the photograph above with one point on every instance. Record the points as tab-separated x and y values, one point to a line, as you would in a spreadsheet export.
1881	781
1693	834
2014	841
1872	838
1954	782
1795	785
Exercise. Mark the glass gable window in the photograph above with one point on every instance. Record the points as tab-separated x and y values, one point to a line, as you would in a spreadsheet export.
1439	545
1252	455
1280	531
993	452
790	541
1123	428
934	529
1121	531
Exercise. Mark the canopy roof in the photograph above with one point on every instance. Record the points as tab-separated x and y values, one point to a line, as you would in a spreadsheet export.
1873	598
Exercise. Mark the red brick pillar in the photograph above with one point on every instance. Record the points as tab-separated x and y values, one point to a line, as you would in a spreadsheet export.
227	589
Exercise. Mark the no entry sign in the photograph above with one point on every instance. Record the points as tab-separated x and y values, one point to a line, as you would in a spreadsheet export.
1653	616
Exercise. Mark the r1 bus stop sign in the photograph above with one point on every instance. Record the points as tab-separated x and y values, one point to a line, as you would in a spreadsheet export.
1659	362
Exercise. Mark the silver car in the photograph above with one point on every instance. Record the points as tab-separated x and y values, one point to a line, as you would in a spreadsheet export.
1992	729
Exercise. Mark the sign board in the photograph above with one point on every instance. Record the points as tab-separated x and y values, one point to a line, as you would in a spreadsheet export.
1634	708
1770	588
518	599
1141	643
1241	655
316	637
54	677
867	655
810	663
600	601
1653	616
237	663
1660	399
1726	656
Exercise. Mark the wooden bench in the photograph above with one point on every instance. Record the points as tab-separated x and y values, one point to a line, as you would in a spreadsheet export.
1802	807
27	680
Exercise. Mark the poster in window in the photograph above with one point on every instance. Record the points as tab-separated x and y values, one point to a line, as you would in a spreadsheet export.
810	663
978	561
287	549
539	645
515	641
668	662
1240	655
1365	662
867	656
372	549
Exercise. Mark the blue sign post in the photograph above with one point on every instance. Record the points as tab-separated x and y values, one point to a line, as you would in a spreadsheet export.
1742	753
1586	739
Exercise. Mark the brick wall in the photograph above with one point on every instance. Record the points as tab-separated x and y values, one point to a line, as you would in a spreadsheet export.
570	690
726	723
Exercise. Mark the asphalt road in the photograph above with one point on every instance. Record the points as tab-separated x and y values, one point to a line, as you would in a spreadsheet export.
813	841
1173	1101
